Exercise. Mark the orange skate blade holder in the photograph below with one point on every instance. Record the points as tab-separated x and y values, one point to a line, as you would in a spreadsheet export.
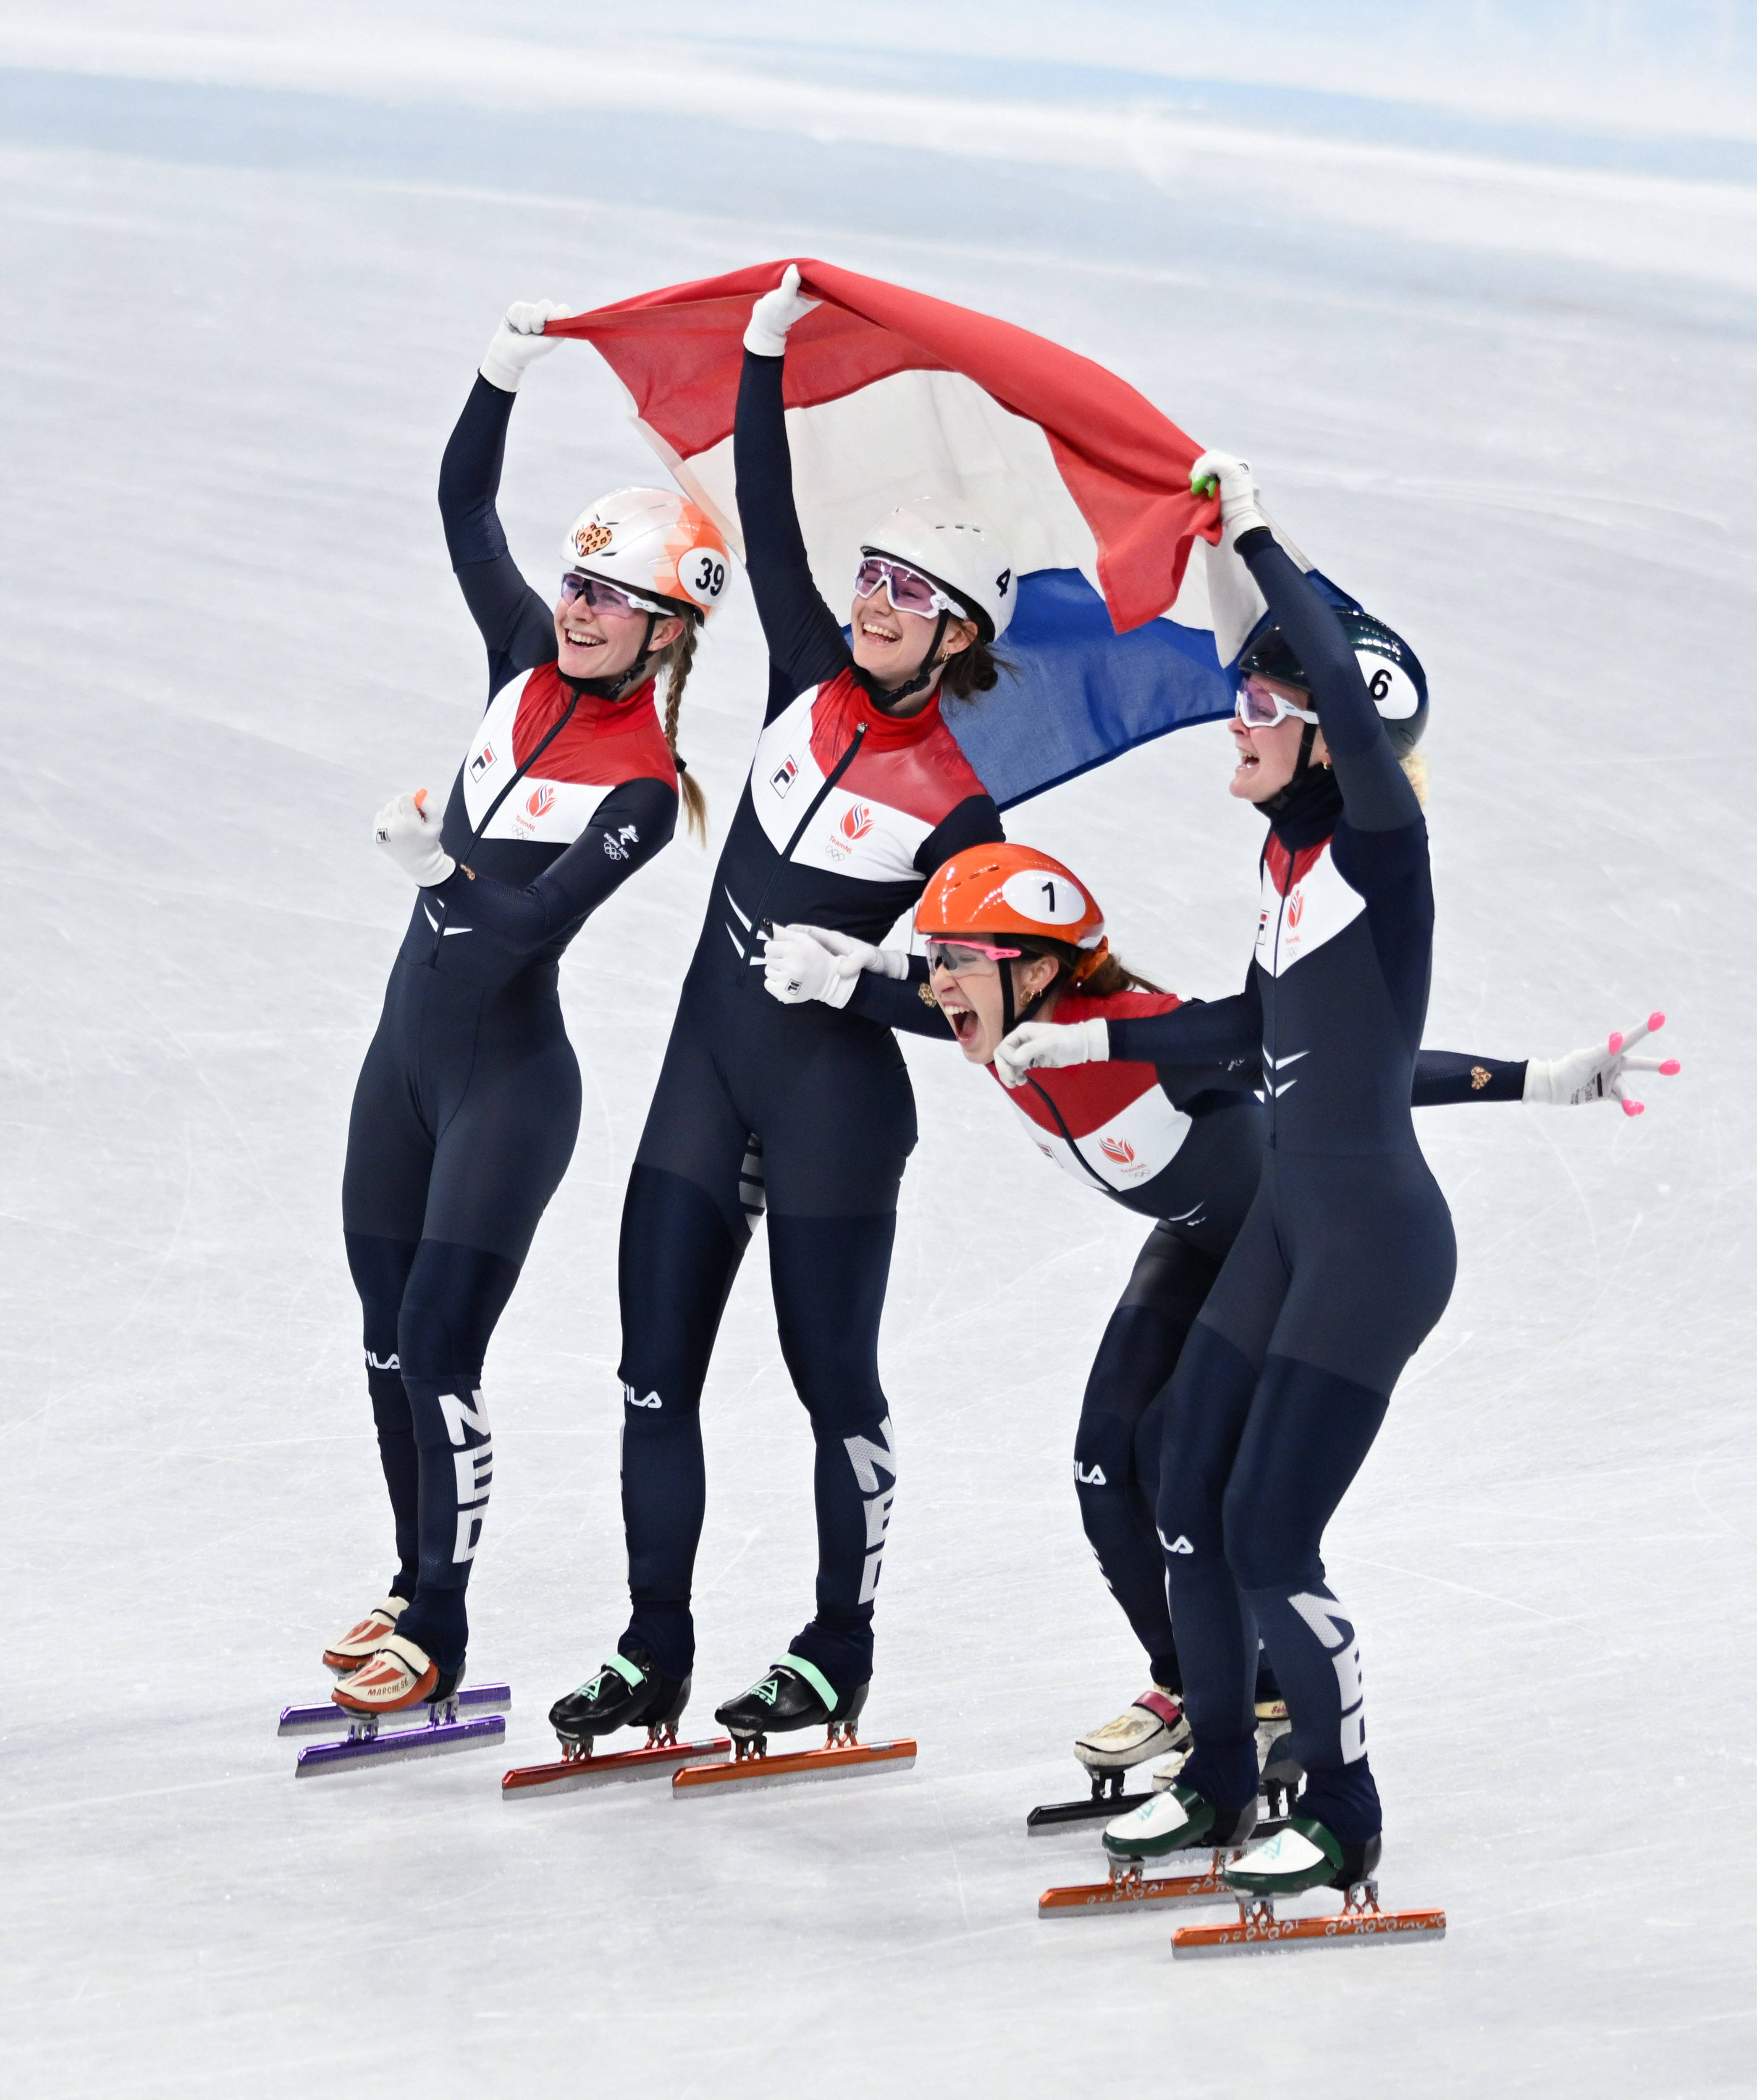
842	1756
577	1768
1258	1930
1129	1885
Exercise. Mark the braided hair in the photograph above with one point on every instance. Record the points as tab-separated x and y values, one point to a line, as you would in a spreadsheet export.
676	661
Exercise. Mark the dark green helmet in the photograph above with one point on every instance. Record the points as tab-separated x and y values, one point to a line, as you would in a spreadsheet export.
1393	673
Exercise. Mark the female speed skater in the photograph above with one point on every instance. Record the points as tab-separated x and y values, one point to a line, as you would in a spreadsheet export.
468	1104
1345	1258
1012	935
857	793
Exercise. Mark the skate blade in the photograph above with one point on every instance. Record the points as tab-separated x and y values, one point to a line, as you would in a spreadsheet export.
566	1774
473	1701
846	1761
1061	1814
1256	1935
1082	1899
392	1745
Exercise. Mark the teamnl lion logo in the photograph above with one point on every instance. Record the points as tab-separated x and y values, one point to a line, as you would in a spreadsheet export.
592	539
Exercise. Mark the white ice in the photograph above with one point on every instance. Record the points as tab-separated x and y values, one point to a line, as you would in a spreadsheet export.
1499	380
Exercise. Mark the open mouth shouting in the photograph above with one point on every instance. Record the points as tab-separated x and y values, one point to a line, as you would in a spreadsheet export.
965	1023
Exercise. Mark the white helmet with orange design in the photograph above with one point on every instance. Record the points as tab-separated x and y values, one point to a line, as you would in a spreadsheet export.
662	551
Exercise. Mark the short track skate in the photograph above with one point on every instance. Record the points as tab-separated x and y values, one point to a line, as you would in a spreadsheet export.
842	1756
1107	1799
1130	1885
1258	1930
660	1756
472	1718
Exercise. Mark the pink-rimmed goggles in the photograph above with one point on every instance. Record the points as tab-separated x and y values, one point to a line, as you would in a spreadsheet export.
967	958
601	597
909	590
1258	706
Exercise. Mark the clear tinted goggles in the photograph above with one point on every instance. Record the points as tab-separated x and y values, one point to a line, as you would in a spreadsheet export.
964	959
1258	706
601	597
910	591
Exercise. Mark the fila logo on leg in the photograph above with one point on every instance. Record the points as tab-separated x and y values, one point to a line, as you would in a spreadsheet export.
634	1399
1090	1477
1180	1544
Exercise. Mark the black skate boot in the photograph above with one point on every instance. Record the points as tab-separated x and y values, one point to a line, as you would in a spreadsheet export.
792	1694
628	1692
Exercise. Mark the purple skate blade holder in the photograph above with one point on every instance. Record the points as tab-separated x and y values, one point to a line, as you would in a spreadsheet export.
448	1726
472	1702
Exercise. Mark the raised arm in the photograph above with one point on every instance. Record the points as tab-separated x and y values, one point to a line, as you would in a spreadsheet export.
805	637
515	622
1376	793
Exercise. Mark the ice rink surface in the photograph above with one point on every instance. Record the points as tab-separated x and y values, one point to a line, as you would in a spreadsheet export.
1497	380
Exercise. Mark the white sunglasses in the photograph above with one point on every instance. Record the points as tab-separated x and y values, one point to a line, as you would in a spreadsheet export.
1257	708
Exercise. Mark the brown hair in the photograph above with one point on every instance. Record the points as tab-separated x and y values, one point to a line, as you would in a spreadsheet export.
1110	976
976	669
676	660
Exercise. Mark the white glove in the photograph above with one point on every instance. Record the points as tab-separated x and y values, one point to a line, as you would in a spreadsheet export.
1596	1073
519	342
775	313
408	828
1035	1044
1238	492
799	965
884	962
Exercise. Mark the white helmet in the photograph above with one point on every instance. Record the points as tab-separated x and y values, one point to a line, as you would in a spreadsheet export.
654	544
943	541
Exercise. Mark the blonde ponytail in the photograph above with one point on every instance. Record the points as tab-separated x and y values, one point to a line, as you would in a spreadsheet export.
679	659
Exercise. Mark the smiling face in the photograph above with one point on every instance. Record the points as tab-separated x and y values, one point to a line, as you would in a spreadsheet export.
971	1000
601	641
1266	757
889	645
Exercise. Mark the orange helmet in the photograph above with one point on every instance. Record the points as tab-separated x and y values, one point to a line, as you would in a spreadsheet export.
1005	888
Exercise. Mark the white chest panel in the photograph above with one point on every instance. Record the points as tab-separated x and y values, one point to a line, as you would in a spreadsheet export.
1319	906
553	812
1126	1150
850	834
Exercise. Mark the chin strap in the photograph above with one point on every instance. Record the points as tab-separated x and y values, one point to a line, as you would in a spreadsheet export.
1010	1017
1283	798
885	698
625	683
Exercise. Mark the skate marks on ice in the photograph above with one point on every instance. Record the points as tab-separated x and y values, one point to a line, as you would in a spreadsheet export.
473	1718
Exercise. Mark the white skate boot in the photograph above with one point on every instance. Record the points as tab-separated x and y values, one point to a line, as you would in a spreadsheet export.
1282	1773
359	1642
1155	1722
396	1676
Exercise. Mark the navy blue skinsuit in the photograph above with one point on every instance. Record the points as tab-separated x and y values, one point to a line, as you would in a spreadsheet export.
846	813
1344	1263
468	1103
1111	1126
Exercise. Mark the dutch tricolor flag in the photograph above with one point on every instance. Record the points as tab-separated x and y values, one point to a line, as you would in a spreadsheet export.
1132	608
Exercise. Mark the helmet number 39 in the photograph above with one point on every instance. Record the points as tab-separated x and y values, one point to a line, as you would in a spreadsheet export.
703	576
